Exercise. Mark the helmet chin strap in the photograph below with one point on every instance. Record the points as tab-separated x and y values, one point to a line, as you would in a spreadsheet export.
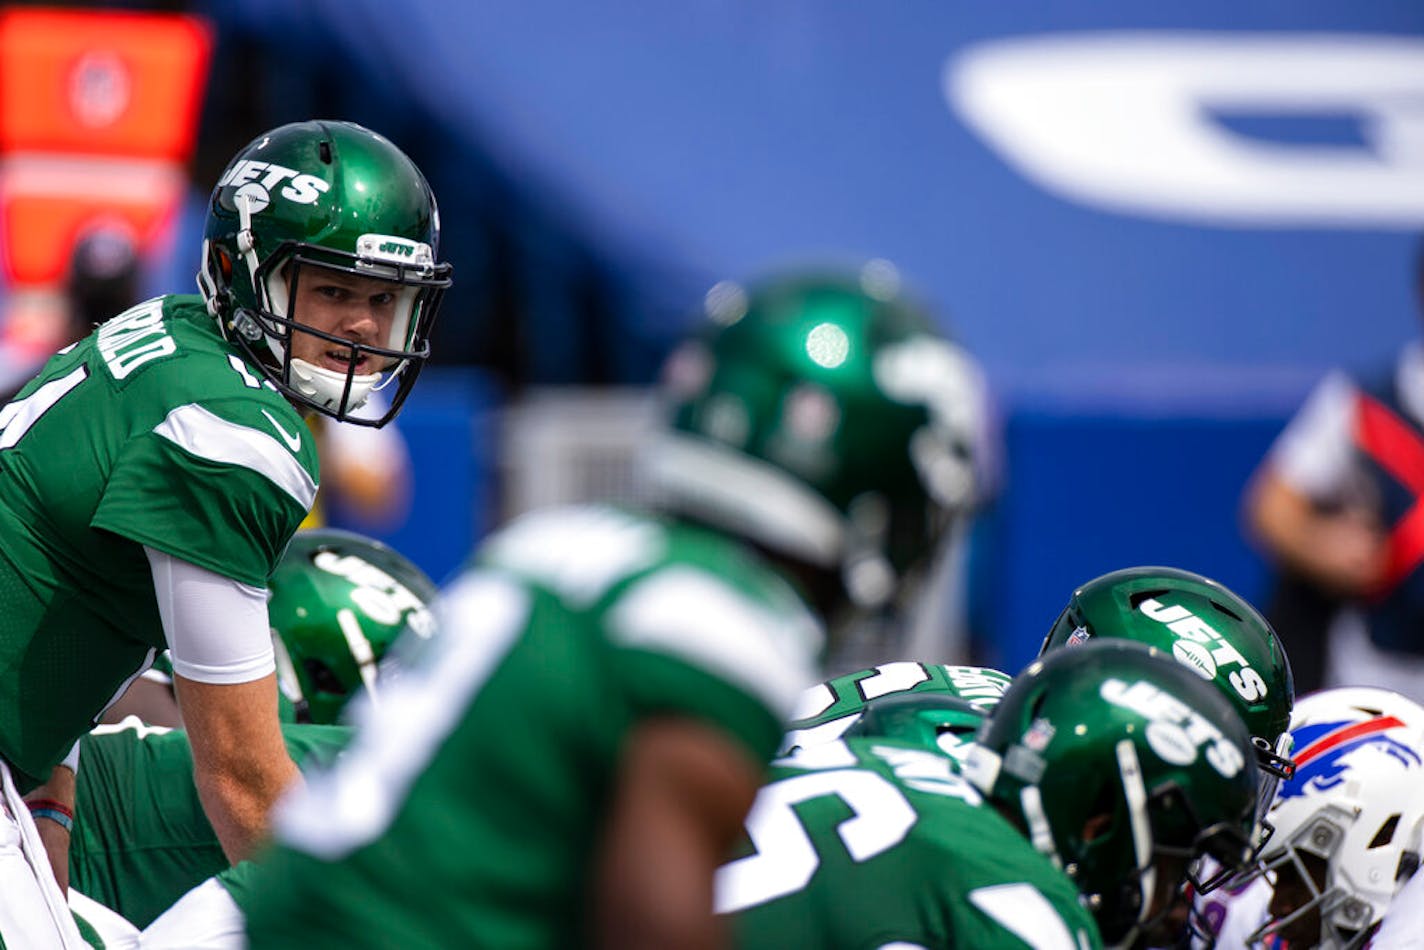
361	650
246	243
1135	792
287	680
1040	833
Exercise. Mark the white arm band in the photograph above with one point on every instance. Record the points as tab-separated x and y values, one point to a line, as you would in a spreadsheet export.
216	627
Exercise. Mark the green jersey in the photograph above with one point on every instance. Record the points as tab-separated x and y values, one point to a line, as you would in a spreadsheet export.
468	813
867	843
150	431
141	839
825	711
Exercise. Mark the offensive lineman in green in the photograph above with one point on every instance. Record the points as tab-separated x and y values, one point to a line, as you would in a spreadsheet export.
152	474
338	603
1210	630
1099	776
572	760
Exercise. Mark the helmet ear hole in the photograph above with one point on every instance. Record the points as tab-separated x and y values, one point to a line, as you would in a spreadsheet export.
1227	610
224	264
1408	864
1097	825
321	676
1136	599
1385	834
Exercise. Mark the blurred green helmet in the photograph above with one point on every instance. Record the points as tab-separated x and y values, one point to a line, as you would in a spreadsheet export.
825	711
940	722
337	601
1208	629
333	195
1123	768
825	419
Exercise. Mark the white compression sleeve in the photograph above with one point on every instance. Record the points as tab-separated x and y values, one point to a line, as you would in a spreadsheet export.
216	627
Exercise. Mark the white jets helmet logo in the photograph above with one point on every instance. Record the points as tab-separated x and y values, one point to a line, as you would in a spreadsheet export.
1176	732
256	182
1202	648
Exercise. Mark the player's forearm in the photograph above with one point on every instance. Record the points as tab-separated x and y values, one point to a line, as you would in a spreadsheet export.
238	800
684	788
1339	550
52	806
659	904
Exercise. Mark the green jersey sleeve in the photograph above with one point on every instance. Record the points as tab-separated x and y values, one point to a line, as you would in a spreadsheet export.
691	642
211	491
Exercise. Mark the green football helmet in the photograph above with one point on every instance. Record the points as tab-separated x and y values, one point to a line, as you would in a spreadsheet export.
323	195
940	722
336	602
823	418
1208	629
825	711
1123	768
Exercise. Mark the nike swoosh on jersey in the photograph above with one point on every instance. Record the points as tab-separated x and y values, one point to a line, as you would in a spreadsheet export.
294	442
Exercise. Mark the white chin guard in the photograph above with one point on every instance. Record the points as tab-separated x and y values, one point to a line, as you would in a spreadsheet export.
325	386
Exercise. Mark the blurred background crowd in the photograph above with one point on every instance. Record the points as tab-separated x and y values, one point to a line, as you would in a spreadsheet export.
1156	228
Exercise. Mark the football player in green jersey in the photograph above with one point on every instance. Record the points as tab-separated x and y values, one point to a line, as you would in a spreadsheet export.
140	839
152	474
1214	632
575	754
922	856
1159	764
338	602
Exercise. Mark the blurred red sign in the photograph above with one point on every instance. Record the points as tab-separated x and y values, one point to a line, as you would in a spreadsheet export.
99	114
101	82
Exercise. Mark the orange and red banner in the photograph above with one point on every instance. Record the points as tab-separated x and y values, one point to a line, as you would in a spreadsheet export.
99	114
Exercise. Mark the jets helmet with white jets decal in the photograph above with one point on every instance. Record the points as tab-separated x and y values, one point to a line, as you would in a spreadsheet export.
1211	631
939	722
1123	768
323	195
337	602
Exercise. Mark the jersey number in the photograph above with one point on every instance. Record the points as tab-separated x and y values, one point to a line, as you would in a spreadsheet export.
786	859
17	417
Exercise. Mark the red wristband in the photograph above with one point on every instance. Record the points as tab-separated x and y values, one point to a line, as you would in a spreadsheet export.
49	804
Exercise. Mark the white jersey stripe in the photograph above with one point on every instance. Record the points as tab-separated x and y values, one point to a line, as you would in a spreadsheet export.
691	614
209	436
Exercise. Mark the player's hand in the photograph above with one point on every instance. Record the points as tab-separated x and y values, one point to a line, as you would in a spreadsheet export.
1350	553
